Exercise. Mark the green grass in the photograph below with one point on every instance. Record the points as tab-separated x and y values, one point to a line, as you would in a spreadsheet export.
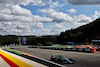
61	46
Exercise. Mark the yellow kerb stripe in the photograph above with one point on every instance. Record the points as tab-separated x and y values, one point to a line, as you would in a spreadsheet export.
16	61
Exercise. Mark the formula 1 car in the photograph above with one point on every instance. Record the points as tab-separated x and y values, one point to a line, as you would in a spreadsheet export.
62	60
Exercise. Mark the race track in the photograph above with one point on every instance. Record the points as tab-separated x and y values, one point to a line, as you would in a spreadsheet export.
82	59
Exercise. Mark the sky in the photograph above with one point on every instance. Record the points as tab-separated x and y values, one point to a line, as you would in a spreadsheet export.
45	17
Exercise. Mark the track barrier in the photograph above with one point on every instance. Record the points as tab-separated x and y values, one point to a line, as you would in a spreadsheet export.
99	49
88	50
93	50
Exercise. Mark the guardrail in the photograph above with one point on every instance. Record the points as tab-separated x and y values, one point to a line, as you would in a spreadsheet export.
37	59
89	50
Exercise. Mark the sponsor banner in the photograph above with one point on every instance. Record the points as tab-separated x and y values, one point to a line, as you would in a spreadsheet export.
88	50
69	42
73	49
80	49
95	40
68	49
24	40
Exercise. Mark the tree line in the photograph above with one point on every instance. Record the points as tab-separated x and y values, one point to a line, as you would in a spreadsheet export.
30	40
85	33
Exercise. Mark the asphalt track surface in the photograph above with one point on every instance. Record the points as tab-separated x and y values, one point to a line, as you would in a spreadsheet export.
82	59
